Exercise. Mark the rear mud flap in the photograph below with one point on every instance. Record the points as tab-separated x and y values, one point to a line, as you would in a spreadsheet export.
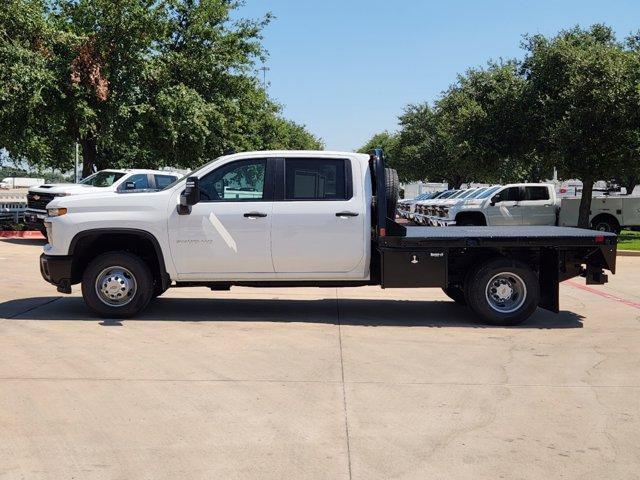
549	280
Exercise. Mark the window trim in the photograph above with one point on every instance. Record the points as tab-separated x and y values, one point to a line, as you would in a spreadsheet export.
267	195
281	179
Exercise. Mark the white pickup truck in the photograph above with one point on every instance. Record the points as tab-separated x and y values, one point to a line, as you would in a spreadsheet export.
306	218
509	205
129	180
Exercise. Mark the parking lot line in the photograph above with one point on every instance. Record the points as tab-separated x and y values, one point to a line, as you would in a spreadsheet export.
608	296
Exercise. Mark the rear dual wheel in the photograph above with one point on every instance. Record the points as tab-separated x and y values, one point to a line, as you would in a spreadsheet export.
502	291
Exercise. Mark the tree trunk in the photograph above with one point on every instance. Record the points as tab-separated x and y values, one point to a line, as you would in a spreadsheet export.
89	154
585	203
455	182
630	182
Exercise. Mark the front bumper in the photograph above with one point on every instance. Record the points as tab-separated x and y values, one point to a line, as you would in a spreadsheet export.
56	270
35	218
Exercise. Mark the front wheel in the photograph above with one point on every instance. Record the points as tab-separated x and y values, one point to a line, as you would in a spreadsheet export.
503	291
117	285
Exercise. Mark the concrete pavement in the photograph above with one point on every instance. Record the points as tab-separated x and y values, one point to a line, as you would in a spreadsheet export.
315	383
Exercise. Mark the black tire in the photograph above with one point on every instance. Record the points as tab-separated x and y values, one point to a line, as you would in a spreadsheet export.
140	297
606	223
392	188
478	291
158	291
456	294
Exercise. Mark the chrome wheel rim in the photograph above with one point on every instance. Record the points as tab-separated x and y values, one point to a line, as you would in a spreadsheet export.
116	286
506	292
603	227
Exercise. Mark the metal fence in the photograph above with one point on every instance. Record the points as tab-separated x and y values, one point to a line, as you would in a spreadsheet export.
12	206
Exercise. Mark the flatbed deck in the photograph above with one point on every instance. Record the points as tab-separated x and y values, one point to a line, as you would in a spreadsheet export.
547	236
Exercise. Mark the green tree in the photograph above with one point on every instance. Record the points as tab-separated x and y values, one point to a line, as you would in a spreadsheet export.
388	142
582	87
482	119
279	133
474	132
136	82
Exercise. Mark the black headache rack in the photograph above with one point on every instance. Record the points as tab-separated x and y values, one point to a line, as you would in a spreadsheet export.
415	256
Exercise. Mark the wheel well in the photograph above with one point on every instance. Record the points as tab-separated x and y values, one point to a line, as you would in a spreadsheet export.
605	216
464	260
88	246
477	218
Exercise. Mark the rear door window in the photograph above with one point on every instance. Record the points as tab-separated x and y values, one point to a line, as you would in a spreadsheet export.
536	193
163	180
315	179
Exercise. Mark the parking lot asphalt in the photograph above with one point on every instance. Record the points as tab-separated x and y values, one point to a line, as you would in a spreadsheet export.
315	383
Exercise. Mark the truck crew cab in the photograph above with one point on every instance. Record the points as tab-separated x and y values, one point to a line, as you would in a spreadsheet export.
302	218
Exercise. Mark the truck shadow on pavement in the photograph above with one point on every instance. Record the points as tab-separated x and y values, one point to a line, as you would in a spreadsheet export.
345	311
25	241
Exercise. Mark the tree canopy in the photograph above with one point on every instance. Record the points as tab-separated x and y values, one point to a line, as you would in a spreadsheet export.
135	82
571	103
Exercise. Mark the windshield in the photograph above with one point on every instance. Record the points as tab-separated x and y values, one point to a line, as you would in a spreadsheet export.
468	193
488	192
456	194
102	179
443	194
449	193
477	192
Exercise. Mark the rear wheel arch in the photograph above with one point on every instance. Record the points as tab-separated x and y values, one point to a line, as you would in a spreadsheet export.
88	244
471	218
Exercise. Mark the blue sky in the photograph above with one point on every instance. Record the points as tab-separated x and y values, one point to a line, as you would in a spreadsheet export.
346	69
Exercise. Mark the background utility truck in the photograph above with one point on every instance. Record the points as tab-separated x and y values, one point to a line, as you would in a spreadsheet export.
608	214
309	218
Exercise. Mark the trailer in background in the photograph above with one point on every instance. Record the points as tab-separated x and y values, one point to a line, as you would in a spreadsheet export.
21	182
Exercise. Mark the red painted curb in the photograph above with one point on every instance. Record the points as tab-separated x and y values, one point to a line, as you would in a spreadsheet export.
21	234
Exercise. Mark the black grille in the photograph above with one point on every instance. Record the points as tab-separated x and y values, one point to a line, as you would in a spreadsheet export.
39	201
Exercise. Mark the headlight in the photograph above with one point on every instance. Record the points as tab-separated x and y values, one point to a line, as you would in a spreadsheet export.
56	212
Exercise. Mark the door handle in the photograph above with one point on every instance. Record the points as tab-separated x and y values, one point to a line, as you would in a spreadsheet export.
347	214
255	215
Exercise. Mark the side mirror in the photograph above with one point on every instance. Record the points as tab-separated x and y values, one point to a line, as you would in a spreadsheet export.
496	199
191	194
130	185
